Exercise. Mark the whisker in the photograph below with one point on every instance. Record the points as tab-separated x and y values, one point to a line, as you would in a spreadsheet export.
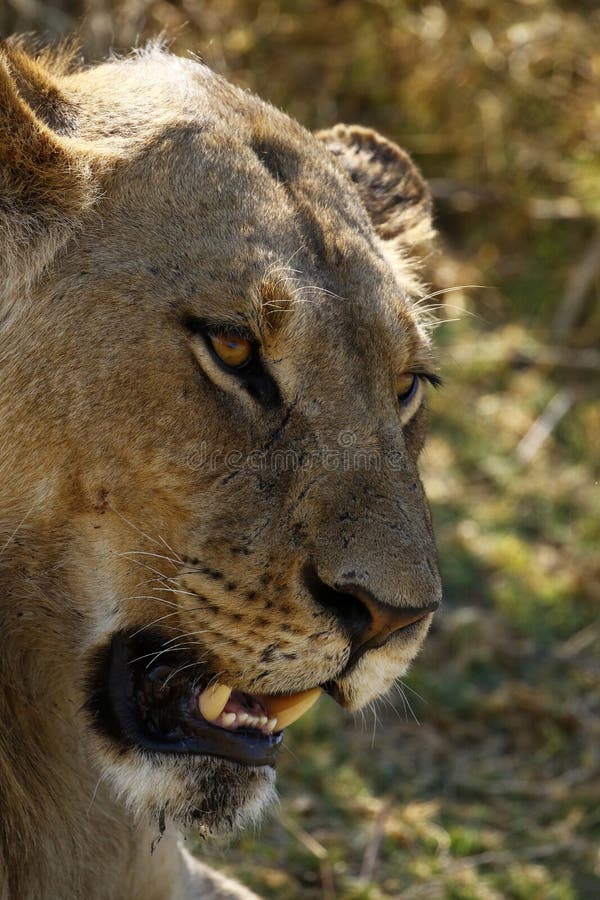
156	599
309	288
154	622
133	553
181	669
449	290
407	705
177	591
132	525
156	572
167	616
188	634
155	654
166	588
174	552
405	686
11	537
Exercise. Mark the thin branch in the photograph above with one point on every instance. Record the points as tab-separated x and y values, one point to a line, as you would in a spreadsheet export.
544	425
371	854
576	292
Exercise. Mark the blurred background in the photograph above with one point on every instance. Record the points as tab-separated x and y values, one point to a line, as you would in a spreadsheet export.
481	777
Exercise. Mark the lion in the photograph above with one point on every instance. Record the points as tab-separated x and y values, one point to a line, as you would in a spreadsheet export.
214	369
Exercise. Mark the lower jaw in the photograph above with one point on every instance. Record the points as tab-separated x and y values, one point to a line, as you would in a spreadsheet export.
112	702
214	796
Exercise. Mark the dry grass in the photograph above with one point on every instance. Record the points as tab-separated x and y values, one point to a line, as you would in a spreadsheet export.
496	792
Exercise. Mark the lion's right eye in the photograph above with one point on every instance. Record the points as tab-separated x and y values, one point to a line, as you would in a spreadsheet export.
236	354
232	349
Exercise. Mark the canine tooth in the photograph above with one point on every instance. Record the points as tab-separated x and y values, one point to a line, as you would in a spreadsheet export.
228	719
271	726
288	709
212	701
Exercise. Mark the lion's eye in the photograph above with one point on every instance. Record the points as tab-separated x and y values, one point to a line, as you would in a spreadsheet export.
232	349
237	353
406	388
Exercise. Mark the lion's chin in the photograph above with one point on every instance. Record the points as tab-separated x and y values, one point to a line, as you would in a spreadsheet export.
214	796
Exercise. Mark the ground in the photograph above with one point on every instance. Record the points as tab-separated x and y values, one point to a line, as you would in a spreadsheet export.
484	781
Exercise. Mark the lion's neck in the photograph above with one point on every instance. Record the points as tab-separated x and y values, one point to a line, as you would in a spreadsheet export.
62	835
62	831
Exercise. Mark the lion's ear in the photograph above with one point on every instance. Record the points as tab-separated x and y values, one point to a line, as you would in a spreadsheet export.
45	179
391	187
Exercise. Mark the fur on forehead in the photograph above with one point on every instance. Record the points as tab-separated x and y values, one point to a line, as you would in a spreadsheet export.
62	134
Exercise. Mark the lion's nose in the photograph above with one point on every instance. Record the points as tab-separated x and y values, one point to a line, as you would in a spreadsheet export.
367	621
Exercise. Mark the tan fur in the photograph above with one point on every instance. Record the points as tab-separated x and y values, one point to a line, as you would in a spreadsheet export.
134	195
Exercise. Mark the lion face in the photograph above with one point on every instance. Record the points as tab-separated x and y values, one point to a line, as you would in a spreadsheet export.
213	405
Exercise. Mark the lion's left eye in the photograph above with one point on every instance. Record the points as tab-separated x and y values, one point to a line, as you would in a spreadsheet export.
232	349
406	388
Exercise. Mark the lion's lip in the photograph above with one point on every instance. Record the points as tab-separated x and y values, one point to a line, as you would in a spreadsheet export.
157	708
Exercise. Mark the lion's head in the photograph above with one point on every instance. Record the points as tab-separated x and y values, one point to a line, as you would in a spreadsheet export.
212	403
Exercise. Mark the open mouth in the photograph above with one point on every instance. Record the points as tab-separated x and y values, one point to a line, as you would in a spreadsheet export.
143	696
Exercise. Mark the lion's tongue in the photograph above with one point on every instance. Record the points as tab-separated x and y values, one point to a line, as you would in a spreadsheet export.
220	705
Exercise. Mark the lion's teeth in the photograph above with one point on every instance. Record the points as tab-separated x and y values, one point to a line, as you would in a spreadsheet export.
281	710
212	701
289	708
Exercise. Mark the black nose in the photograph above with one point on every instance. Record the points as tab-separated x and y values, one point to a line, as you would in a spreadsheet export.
367	621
